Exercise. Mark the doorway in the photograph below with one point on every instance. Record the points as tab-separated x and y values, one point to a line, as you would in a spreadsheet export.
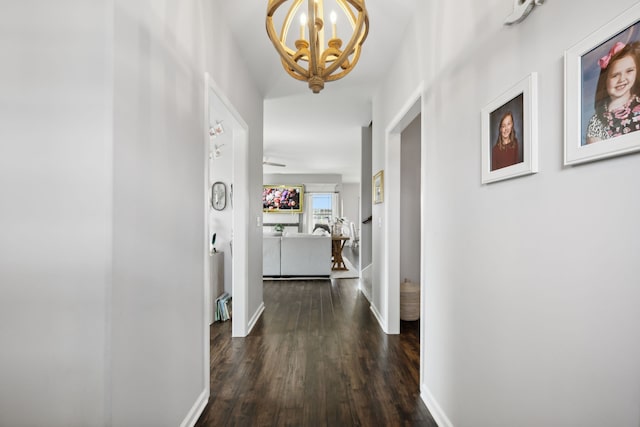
410	214
226	162
408	261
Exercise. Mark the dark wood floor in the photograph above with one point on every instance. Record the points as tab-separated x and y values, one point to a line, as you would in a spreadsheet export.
317	357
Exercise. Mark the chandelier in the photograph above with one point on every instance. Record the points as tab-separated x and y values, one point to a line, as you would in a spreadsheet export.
310	60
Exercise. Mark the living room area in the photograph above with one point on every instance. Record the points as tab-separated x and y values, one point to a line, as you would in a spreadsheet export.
311	226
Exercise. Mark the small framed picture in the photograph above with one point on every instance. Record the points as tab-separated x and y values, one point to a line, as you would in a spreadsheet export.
378	187
510	133
602	92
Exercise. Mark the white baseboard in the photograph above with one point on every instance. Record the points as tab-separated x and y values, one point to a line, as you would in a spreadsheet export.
255	317
375	312
365	281
432	405
365	293
197	408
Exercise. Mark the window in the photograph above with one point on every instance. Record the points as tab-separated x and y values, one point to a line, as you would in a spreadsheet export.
322	208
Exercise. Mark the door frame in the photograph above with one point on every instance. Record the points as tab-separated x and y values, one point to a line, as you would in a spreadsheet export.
240	208
391	259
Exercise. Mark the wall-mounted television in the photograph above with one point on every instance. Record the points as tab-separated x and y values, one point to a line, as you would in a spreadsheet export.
282	198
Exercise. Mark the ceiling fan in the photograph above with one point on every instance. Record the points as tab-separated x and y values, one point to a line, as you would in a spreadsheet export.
268	163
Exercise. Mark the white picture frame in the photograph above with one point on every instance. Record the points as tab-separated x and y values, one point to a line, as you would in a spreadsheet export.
378	187
582	68
521	100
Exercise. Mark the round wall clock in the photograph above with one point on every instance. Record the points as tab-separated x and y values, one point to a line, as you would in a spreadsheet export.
218	196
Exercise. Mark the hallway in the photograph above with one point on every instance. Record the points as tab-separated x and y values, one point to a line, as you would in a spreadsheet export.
316	357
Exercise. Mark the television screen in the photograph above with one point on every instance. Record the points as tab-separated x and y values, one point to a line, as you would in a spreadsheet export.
282	198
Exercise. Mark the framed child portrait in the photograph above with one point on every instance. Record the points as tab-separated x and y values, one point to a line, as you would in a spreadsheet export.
510	132
602	92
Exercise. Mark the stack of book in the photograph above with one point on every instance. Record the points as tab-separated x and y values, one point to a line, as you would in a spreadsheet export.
222	307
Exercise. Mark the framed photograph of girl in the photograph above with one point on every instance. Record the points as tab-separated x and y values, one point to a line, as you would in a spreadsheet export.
509	133
602	92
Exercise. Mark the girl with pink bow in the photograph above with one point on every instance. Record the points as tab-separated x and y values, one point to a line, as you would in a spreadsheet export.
617	104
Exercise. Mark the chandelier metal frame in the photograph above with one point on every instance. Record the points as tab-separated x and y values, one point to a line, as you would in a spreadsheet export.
310	60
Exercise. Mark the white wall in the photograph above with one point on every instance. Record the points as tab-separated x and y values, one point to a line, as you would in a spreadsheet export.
102	213
366	208
55	181
351	203
162	50
319	182
410	203
531	284
158	215
232	77
221	170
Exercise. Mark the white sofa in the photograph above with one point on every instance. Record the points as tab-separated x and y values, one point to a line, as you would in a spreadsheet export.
296	255
271	255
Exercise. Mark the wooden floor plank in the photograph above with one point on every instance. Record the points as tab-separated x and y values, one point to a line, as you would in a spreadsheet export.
317	357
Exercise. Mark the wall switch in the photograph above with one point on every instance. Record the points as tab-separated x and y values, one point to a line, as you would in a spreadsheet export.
258	221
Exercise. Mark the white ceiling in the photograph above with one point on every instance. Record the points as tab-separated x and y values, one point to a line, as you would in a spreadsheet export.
316	133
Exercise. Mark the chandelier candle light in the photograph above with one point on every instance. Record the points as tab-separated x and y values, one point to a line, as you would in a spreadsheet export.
310	60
